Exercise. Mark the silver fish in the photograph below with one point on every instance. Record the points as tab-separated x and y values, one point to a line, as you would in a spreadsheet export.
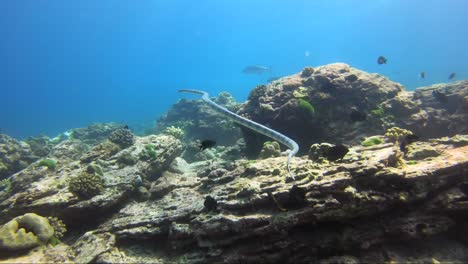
256	69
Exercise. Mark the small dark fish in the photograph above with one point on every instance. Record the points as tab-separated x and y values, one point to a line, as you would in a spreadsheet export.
422	75
357	116
439	96
206	144
126	127
256	69
452	75
336	152
210	203
408	140
382	60
272	79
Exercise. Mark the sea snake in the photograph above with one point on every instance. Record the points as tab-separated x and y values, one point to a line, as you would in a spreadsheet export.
252	125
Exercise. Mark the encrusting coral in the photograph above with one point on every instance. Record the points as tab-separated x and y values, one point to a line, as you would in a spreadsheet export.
59	227
25	232
86	185
270	149
122	137
176	132
396	134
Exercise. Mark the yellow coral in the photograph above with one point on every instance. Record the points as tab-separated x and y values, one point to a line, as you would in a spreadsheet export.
176	132
396	134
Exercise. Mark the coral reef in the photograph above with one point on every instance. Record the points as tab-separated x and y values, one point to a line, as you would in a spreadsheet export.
396	134
122	137
270	149
14	156
102	151
68	150
86	185
176	132
94	133
40	145
25	232
426	116
317	151
335	90
373	202
328	92
199	122
59	227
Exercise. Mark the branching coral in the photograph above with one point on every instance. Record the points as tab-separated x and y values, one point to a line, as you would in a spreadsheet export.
59	230
270	149
396	134
176	132
86	185
122	137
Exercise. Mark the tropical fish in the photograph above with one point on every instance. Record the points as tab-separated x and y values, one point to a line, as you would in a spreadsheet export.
256	69
336	152
382	60
206	144
452	75
356	115
422	75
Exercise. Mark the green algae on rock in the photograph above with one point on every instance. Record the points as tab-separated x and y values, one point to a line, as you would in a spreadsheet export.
372	141
51	164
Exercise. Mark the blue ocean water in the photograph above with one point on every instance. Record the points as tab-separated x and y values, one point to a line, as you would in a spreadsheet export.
65	64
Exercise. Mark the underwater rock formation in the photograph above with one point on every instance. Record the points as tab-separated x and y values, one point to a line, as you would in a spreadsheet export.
385	199
25	232
366	207
434	111
14	156
122	137
40	145
37	189
315	105
359	207
94	133
339	104
199	122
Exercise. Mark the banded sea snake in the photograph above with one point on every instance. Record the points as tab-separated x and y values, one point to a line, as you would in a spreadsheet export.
252	125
